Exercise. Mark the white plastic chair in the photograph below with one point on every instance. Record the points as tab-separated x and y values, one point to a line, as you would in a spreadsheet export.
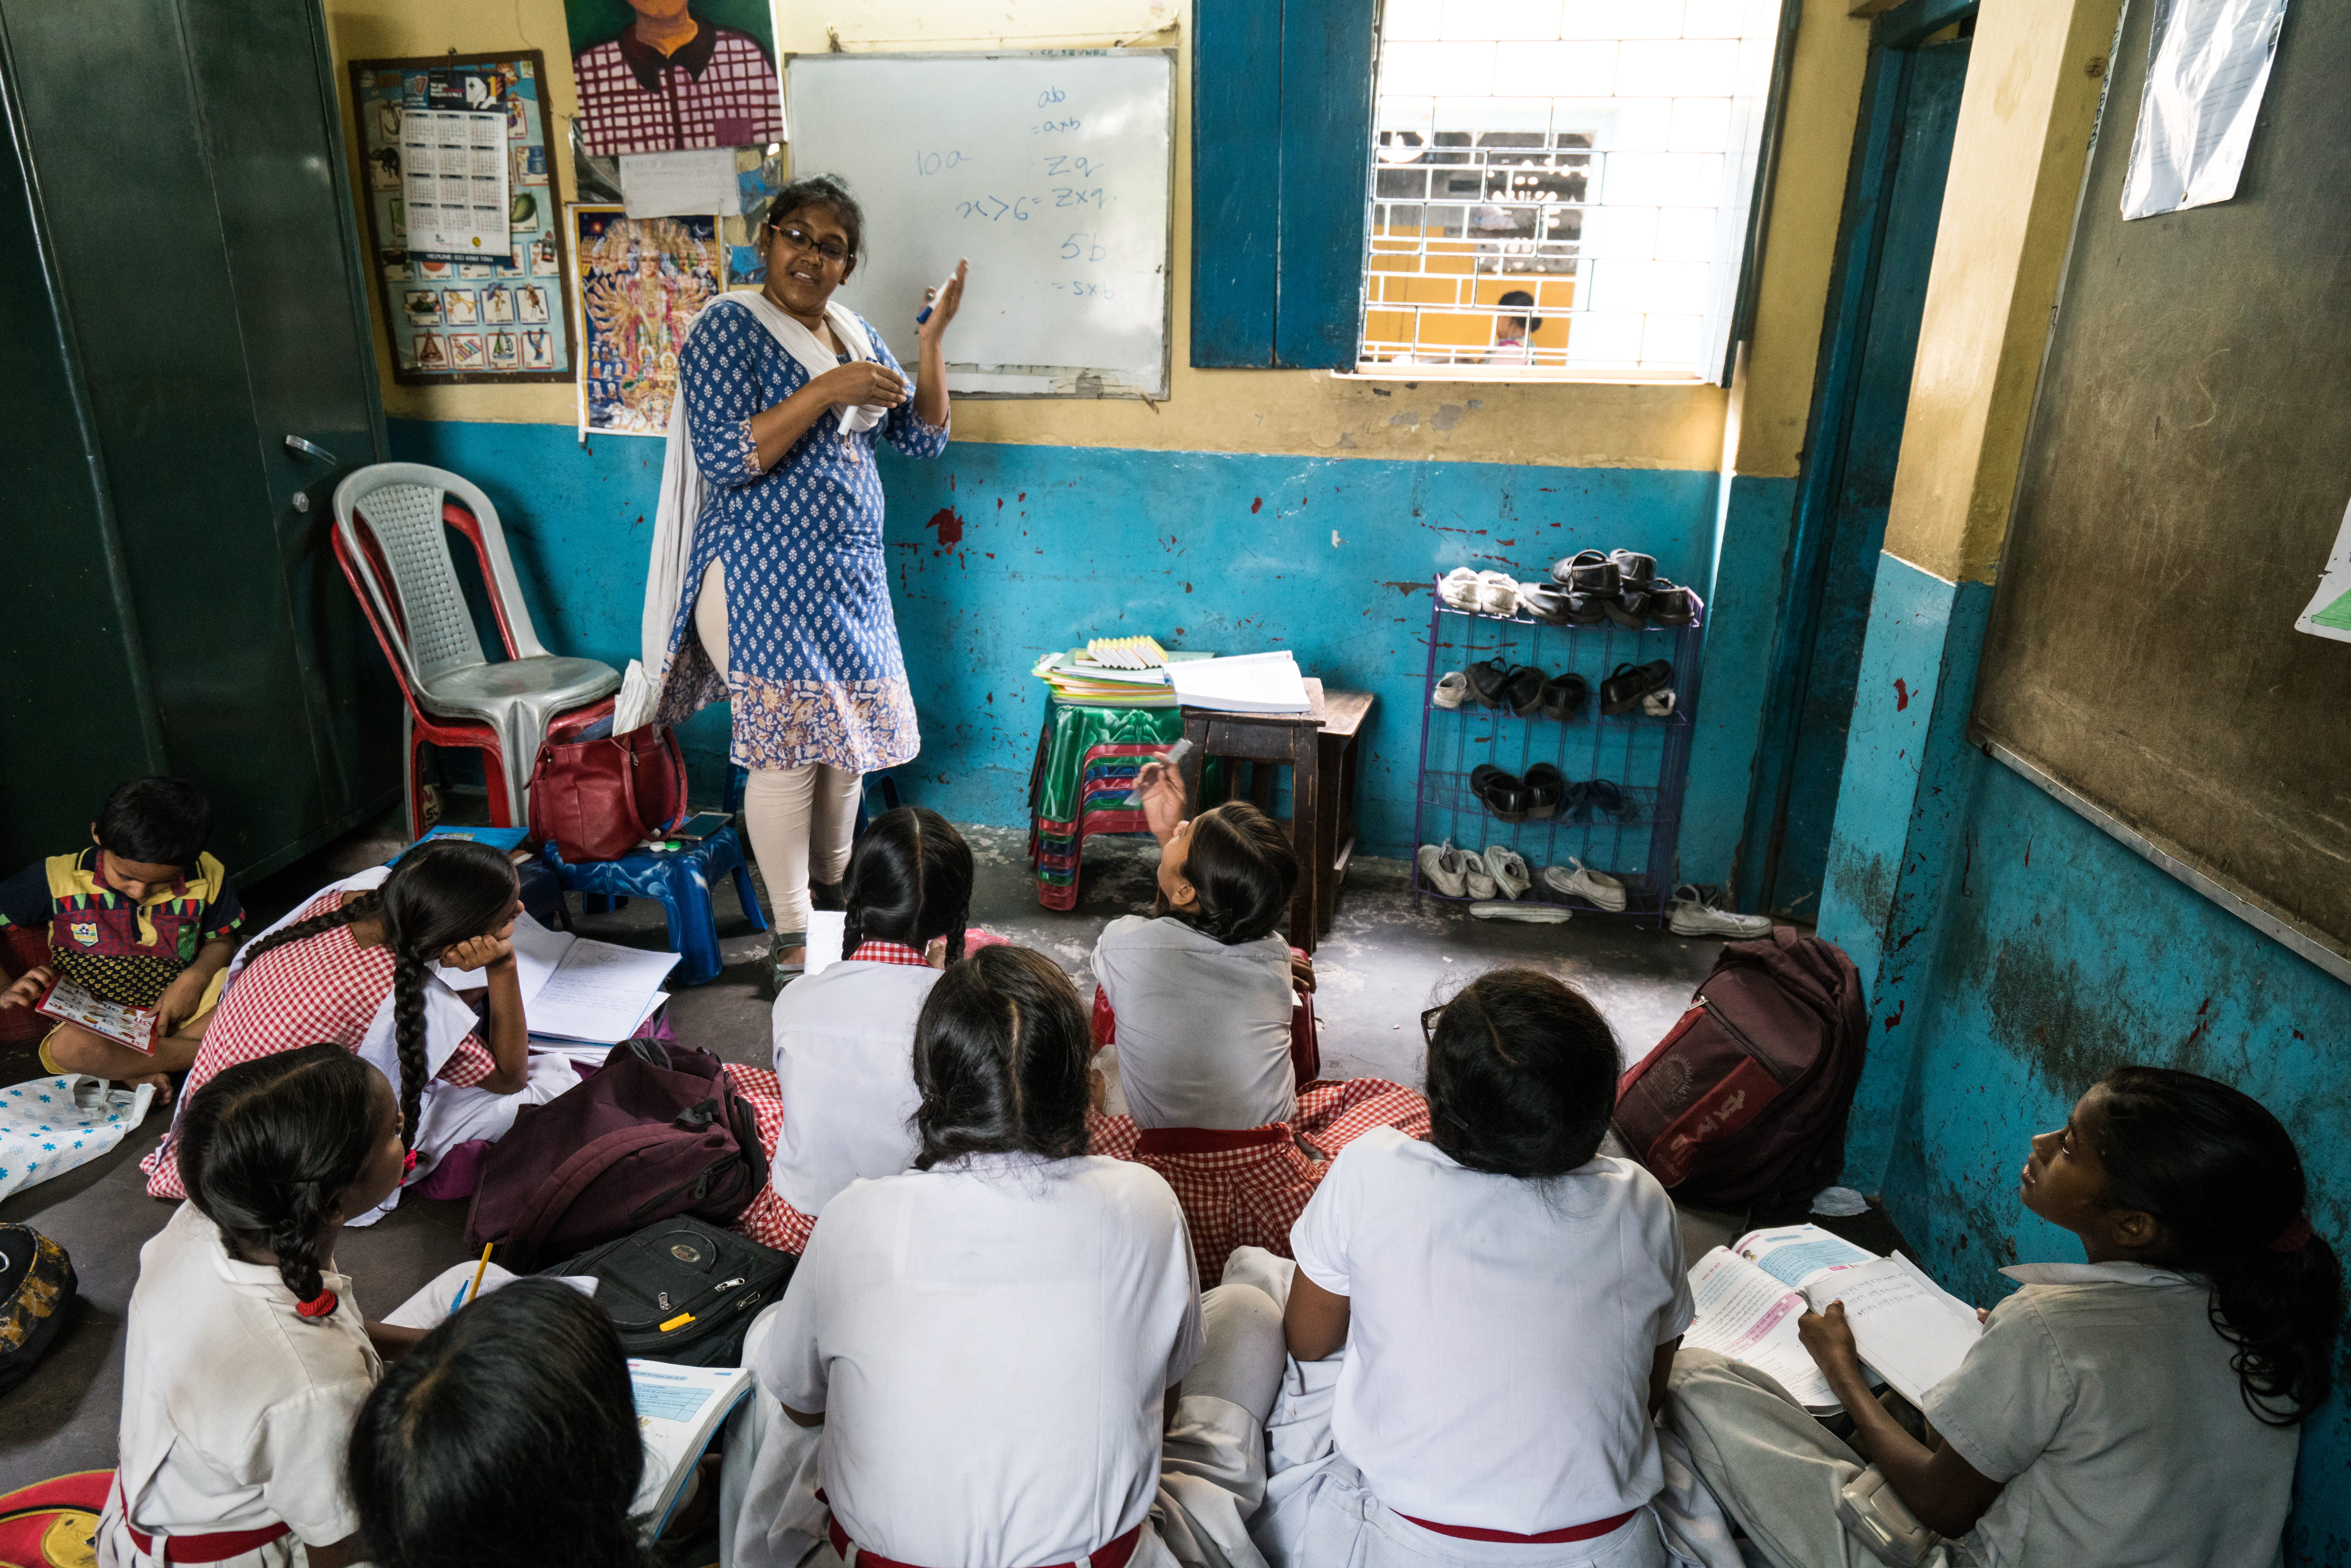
392	521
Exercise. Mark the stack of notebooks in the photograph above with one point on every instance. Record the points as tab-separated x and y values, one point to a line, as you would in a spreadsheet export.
1119	675
581	997
1082	681
1912	1332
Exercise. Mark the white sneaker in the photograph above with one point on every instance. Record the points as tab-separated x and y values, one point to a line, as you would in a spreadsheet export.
1442	868
1498	594
1696	915
1591	886
1658	705
1528	914
1474	875
1508	870
1459	589
1452	689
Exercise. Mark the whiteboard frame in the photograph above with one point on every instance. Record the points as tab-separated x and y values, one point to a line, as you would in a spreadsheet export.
1104	388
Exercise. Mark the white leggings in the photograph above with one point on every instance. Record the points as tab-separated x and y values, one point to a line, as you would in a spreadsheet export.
800	819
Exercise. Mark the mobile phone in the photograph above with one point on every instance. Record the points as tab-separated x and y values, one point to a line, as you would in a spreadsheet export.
701	825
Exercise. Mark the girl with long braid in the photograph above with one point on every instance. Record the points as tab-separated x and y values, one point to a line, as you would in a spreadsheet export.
246	1357
354	966
838	1108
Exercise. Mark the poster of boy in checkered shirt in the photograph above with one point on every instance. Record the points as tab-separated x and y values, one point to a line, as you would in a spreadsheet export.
667	76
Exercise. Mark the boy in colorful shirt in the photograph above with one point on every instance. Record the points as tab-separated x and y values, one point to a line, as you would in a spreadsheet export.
144	918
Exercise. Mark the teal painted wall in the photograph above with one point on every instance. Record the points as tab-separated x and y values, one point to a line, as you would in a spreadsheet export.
999	553
2015	953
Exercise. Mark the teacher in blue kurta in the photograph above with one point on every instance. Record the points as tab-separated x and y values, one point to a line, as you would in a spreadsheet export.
783	606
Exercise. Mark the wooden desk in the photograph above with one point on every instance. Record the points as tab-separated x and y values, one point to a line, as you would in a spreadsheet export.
1318	746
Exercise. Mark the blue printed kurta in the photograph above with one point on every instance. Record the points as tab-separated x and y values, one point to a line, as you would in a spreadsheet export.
818	676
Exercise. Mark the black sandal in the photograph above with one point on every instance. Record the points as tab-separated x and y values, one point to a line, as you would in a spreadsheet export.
1487	679
1522	691
1564	695
1628	683
1503	794
1546	788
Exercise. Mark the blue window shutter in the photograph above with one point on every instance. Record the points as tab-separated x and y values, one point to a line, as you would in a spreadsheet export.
1326	155
1236	176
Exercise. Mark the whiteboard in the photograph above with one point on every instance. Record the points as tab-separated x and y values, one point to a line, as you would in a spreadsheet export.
1051	171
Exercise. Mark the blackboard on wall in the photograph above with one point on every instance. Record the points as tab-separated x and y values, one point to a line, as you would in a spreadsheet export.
2185	472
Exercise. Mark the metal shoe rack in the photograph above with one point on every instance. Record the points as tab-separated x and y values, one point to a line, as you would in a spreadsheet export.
1645	758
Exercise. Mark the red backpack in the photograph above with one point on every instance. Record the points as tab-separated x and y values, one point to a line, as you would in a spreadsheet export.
658	1131
1744	1102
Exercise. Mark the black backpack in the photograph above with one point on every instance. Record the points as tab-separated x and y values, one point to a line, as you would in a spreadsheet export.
684	1292
36	1286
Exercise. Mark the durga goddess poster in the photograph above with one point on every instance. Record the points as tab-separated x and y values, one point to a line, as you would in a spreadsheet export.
640	282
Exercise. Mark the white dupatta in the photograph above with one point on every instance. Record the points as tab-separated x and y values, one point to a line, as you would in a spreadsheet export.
683	492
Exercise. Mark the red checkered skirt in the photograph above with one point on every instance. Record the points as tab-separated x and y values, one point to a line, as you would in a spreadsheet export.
770	1221
1247	1187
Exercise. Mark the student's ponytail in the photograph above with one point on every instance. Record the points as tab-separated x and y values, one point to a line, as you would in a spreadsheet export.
409	968
909	881
443	892
267	1146
355	906
2223	1177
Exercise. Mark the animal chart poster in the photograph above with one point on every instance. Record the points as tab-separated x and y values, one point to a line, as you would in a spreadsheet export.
470	316
639	283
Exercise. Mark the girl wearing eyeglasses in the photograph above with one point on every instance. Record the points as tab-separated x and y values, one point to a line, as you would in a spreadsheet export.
767	571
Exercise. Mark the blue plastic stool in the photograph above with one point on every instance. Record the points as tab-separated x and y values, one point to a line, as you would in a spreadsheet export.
681	880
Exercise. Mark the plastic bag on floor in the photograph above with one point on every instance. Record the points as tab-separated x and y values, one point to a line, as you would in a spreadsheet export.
50	1125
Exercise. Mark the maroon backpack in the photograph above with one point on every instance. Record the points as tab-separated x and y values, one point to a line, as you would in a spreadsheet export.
658	1131
1744	1101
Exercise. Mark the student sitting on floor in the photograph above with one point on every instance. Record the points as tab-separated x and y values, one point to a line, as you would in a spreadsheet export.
1205	991
1200	1001
507	1439
2144	1407
145	918
353	965
983	1354
840	1103
246	1356
1480	1326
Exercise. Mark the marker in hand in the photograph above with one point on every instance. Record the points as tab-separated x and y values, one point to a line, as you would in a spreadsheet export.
930	295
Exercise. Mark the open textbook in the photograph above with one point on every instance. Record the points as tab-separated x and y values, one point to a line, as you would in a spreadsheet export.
678	1412
579	990
1912	1332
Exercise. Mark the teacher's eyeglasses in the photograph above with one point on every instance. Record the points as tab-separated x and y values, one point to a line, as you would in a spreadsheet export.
799	239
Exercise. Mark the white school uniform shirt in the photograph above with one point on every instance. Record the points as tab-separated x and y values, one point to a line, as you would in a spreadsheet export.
1203	1028
236	1410
844	1042
1501	1331
2102	1395
989	1343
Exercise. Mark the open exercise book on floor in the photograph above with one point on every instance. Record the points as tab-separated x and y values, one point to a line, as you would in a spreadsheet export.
678	1412
1912	1332
580	992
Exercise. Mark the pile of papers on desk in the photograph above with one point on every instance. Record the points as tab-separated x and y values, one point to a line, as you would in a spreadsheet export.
1075	678
1250	682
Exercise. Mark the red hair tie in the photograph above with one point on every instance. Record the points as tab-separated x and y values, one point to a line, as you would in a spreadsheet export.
321	1305
408	1165
2294	1237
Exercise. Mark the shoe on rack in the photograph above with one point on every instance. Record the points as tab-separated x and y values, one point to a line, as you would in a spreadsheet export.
1444	869
1659	705
1498	594
1486	679
1503	794
1628	683
1586	609
1546	788
1523	691
1452	690
1629	608
1525	914
1601	890
1699	915
1670	604
1634	569
1542	602
1508	870
1474	877
1587	572
1564	695
1458	588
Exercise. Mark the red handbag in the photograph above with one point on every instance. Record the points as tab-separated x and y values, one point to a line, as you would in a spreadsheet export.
597	798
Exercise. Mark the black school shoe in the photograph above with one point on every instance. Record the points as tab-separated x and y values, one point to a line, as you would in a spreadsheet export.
1546	788
1503	794
1629	609
1544	602
1671	606
1487	679
1564	695
1523	691
1634	569
1587	572
1628	683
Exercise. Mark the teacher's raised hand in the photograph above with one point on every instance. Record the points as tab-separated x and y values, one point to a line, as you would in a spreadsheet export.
942	302
931	373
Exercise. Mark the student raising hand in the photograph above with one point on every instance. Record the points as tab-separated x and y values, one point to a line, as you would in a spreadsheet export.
1160	790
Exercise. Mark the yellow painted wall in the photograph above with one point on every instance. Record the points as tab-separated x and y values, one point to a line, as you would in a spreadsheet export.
2034	79
1301	412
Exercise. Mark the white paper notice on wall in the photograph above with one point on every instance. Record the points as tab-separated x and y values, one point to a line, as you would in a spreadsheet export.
452	182
680	184
2209	64
2328	614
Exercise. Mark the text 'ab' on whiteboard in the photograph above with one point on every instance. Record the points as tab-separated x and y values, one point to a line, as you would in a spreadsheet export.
1051	171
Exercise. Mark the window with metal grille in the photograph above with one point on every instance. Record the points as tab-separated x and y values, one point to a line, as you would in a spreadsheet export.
1561	189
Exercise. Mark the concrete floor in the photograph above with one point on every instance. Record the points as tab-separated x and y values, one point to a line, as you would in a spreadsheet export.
1384	963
